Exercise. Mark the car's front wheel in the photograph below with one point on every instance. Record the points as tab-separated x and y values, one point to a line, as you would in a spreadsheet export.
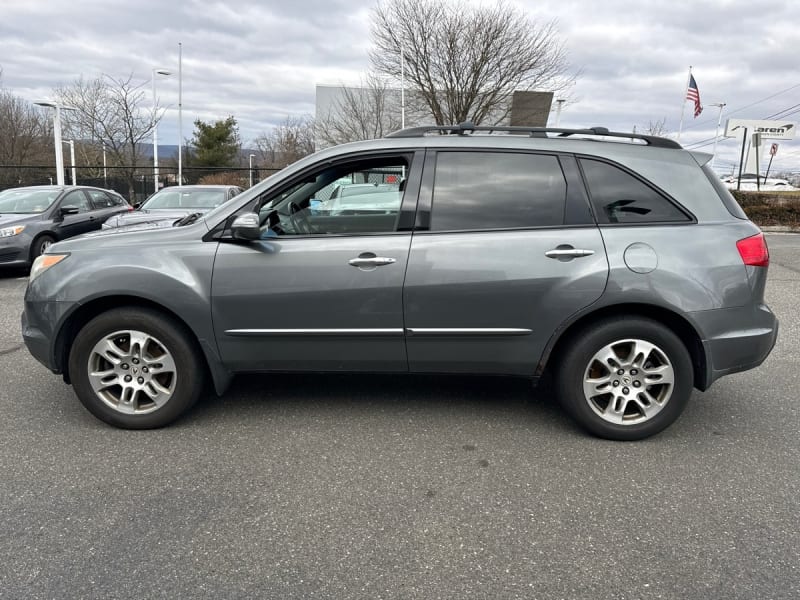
135	368
40	245
625	379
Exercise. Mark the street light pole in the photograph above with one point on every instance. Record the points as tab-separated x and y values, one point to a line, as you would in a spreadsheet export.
251	169
180	114
155	126
57	137
402	89
105	169
721	105
72	159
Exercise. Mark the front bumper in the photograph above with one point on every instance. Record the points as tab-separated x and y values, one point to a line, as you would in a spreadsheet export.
736	339
14	251
41	323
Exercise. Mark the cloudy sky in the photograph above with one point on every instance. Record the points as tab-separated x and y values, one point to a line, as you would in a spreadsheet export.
260	60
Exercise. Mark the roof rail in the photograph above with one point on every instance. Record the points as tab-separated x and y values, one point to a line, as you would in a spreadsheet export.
466	128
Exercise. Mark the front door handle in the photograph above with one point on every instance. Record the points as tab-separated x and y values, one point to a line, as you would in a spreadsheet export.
567	252
369	260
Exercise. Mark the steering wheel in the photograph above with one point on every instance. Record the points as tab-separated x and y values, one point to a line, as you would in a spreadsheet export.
298	219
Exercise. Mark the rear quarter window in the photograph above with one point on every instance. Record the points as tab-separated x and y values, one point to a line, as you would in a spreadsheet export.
619	197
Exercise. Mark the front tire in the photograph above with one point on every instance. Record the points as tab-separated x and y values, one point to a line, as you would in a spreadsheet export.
135	368
625	379
40	246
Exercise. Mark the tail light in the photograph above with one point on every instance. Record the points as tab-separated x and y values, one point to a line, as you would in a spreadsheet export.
130	208
754	251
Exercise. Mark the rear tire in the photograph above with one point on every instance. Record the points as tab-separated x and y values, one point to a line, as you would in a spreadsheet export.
135	368
625	379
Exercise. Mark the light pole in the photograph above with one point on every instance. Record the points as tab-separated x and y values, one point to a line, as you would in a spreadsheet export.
72	159
721	105
57	136
252	156
402	89
180	114
155	125
105	169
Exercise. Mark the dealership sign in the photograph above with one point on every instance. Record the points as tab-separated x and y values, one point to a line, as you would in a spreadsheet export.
772	130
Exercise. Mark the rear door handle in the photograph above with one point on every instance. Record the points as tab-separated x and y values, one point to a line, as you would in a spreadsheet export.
566	252
368	259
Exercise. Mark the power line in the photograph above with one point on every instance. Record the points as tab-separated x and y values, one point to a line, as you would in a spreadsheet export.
778	114
732	112
781	114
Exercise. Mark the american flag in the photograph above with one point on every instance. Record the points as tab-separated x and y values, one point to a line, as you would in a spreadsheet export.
693	94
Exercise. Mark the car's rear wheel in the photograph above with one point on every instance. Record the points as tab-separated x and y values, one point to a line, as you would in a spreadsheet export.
625	379
135	368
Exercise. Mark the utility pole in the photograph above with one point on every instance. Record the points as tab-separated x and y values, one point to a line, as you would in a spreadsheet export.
720	105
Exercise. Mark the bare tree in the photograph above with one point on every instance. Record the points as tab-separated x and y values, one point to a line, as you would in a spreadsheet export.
110	111
658	128
24	133
286	143
466	61
366	112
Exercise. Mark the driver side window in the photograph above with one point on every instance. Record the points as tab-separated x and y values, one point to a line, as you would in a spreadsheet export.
354	197
76	199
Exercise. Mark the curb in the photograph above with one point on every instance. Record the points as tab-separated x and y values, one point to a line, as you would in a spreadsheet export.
778	229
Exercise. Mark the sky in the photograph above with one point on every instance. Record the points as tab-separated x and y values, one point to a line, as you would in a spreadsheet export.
260	60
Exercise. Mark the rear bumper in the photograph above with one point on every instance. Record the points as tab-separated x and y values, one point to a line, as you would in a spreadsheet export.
736	339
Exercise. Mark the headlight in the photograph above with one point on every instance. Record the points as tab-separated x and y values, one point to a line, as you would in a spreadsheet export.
44	262
11	231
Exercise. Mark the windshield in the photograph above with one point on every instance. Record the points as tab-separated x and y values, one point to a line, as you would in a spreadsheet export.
176	198
22	201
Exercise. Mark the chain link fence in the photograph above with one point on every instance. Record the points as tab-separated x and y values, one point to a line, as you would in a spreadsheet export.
134	184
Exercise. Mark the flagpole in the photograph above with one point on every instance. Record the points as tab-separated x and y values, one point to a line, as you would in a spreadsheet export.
683	103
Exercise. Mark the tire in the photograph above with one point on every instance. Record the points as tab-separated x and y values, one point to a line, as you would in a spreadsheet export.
40	244
148	371
625	379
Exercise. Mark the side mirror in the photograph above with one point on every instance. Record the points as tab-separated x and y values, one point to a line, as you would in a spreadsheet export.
69	210
136	205
246	227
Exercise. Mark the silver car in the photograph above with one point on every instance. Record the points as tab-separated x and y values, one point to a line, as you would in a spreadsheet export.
615	264
173	203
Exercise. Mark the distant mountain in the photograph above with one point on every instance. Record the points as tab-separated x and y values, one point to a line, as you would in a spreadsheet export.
164	151
171	151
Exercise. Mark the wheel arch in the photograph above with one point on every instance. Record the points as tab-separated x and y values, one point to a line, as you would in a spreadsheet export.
86	312
39	235
678	324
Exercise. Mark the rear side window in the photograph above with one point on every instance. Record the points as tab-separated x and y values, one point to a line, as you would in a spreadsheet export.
102	200
497	190
619	197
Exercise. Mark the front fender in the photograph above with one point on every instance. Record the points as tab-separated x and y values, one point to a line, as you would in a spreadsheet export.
176	280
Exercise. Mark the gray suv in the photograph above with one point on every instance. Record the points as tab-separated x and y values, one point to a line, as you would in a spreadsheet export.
616	264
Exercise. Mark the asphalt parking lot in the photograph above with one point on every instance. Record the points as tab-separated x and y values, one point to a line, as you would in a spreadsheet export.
401	487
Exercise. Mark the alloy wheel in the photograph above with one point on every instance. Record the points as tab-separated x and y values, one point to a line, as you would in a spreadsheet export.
628	381
132	372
